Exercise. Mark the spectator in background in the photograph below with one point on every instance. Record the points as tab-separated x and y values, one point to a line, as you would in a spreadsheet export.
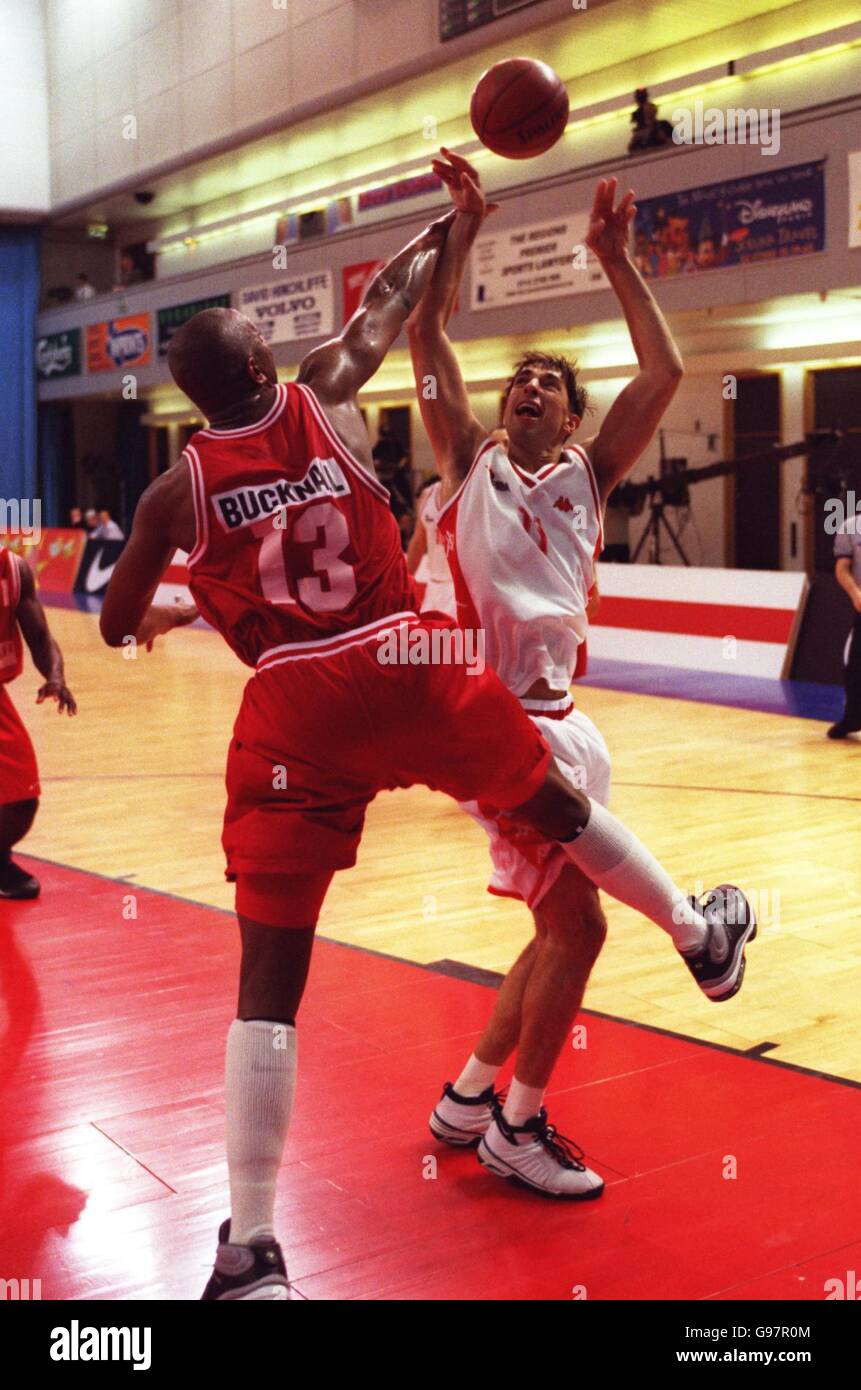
847	553
648	131
76	520
84	288
130	273
91	521
107	530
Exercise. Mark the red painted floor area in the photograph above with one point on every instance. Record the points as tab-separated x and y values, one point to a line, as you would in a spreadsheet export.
112	1181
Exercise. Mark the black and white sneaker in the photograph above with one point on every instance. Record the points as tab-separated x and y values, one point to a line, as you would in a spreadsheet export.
535	1156
15	883
719	970
253	1272
461	1120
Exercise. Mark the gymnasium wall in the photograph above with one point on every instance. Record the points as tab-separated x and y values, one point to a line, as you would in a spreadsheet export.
24	172
204	75
200	72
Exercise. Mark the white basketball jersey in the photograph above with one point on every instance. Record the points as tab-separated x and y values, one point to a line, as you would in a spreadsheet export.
521	548
439	593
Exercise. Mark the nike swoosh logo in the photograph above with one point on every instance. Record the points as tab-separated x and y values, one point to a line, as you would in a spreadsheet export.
98	574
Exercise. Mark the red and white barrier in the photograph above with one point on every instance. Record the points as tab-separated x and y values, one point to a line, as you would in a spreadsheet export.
738	622
174	584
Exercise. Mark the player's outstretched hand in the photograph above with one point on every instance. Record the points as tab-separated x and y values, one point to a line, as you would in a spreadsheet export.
59	691
608	226
163	617
463	182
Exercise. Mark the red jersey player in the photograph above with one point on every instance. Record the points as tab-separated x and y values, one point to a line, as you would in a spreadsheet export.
522	526
295	558
21	612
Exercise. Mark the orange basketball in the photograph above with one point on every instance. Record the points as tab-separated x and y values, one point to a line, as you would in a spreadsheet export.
519	108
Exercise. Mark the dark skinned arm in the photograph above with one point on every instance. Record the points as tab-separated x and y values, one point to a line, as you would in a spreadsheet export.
47	657
337	370
128	609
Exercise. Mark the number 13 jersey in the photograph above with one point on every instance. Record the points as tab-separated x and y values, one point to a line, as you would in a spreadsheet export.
296	543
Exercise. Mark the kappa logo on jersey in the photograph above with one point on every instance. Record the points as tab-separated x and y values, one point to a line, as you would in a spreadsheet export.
244	505
498	483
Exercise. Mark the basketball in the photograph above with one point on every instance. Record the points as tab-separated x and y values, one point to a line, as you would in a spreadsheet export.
519	108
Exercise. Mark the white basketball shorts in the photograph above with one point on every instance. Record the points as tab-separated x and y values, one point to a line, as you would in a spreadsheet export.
525	863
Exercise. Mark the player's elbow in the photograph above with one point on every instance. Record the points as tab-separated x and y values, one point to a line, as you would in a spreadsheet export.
675	370
423	325
112	632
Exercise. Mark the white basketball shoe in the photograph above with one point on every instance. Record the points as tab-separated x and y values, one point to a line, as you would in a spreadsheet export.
534	1155
461	1120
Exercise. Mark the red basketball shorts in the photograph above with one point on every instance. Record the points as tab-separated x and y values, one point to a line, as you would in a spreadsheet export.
19	774
318	736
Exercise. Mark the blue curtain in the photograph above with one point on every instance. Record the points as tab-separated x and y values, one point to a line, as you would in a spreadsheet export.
19	299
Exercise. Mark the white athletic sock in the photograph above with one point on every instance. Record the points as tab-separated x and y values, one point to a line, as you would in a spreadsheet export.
260	1079
616	861
475	1077
522	1102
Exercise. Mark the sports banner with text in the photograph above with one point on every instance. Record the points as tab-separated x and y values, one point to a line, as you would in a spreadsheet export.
299	306
763	217
172	318
541	261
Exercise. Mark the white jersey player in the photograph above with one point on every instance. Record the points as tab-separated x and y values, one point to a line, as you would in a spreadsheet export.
522	529
522	550
426	556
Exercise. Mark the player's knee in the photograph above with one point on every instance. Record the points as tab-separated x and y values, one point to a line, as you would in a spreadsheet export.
594	930
577	928
291	901
557	809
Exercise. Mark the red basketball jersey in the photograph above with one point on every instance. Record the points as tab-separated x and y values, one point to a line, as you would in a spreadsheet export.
296	543
11	646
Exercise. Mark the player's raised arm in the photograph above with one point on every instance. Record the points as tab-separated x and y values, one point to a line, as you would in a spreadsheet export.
337	370
47	657
452	428
636	413
128	609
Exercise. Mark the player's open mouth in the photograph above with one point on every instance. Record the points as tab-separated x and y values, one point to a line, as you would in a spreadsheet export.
529	408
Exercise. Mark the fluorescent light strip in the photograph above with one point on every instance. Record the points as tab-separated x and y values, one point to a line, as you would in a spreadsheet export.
706	80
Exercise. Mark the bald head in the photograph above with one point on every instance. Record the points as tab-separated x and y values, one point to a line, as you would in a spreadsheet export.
219	359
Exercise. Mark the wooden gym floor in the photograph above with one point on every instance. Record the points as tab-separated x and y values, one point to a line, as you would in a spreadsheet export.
114	1024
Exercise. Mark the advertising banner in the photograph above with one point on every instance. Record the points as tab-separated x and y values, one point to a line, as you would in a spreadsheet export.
119	343
355	279
541	261
97	566
762	217
53	558
299	306
172	318
58	355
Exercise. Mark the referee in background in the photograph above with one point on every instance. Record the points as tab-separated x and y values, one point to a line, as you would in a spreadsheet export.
847	552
